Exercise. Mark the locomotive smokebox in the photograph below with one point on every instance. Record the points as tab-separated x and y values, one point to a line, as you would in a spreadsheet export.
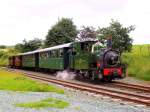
109	42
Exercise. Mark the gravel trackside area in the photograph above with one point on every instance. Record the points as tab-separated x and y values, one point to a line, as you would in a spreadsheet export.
79	102
132	80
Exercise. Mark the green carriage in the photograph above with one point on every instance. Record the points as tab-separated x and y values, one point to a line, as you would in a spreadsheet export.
28	60
74	56
55	58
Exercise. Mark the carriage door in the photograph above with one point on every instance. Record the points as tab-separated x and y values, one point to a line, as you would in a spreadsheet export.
66	58
36	60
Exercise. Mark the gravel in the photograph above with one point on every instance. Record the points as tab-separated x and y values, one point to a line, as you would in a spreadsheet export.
79	102
133	80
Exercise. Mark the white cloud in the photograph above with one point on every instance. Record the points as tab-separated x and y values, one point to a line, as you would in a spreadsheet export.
28	19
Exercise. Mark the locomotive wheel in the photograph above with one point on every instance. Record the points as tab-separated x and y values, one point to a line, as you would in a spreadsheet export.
107	79
93	76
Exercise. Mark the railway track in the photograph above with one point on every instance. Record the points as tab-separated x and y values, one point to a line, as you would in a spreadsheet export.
132	86
127	96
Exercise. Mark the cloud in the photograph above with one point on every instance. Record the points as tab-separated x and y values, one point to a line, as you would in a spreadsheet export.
21	19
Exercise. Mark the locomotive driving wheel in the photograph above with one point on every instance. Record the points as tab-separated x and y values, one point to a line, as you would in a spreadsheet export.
108	79
93	76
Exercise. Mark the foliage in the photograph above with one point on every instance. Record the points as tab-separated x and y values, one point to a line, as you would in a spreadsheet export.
120	35
2	46
4	54
138	61
63	31
49	102
18	82
86	33
30	45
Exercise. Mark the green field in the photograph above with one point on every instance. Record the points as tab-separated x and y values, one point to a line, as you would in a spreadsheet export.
18	82
138	62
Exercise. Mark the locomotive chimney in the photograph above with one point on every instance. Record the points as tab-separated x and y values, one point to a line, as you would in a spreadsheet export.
109	41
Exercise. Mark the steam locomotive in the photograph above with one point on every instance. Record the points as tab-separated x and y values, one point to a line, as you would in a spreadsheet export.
79	57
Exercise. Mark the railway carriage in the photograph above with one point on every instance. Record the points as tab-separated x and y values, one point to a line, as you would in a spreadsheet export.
11	61
17	61
55	58
78	57
28	60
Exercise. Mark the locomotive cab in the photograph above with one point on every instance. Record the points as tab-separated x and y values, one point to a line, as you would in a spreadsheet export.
81	56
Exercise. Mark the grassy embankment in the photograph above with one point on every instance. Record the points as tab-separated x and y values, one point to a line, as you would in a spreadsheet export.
138	62
18	82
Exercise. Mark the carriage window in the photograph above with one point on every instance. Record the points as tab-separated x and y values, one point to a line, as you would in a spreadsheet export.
44	55
53	54
41	55
49	54
86	47
27	57
61	53
57	53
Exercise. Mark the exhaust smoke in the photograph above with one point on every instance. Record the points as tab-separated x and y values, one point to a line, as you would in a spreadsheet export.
65	75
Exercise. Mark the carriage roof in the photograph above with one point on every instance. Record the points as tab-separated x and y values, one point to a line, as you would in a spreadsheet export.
50	48
46	49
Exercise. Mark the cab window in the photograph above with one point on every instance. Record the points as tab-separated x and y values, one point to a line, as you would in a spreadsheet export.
86	47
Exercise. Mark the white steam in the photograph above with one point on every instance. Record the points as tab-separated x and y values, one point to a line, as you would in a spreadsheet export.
66	75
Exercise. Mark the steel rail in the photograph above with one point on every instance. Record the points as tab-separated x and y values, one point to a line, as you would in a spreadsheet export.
141	99
145	100
132	86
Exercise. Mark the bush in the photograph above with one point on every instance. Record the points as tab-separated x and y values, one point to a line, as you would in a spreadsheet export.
4	55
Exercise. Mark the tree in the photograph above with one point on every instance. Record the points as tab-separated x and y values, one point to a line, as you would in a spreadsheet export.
30	45
86	33
2	47
20	47
63	31
120	35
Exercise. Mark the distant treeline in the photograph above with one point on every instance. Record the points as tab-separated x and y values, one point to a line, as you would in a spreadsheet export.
64	31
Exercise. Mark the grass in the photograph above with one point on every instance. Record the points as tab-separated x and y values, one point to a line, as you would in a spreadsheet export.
50	102
138	62
18	82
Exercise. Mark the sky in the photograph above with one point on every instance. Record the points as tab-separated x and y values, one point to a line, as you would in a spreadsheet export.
28	19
